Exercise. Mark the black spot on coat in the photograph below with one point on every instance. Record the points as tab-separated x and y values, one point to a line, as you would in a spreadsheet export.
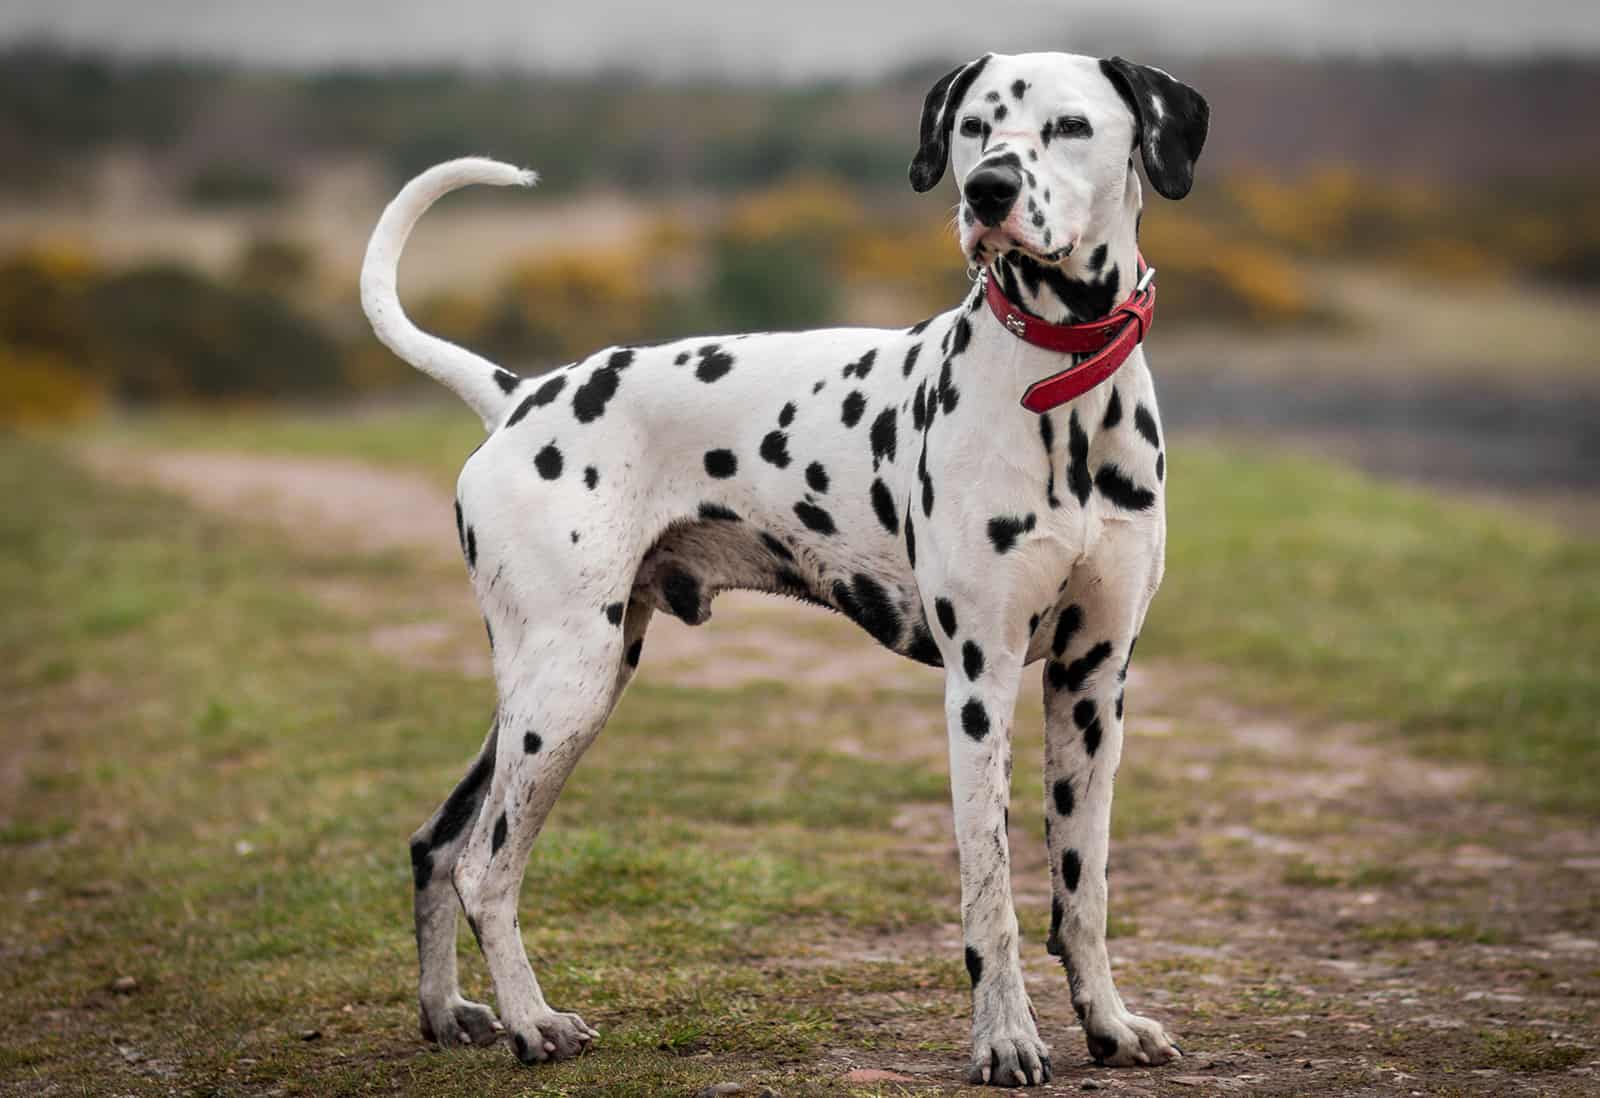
923	648
548	462
461	807
882	437
1116	487
868	604
911	360
1068	623
1079	482
883	506
1113	410
421	865
721	464
975	719
589	402
815	517
850	411
1061	793
1071	870
1005	529
506	380
974	966
972	660
532	742
715	512
614	613
1145	424
499	838
862	366
775	449
777	547
945	611
714	363
817	477
682	591
1079	670
786	414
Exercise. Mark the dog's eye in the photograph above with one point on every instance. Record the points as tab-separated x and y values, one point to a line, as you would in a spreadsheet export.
971	126
1069	126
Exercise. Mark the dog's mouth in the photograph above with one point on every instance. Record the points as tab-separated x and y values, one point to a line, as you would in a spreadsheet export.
1000	240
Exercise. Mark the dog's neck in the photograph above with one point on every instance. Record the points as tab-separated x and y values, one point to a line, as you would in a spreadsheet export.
1097	277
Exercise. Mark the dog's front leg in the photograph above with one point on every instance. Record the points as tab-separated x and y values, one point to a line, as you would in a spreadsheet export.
980	697
1083	703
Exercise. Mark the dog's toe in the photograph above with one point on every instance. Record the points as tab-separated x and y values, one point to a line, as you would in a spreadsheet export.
460	1022
1128	1040
1021	1061
558	1035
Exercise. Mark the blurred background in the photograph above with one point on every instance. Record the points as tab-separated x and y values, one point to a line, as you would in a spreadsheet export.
1357	826
1396	239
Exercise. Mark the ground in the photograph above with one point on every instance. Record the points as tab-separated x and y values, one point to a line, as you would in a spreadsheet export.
239	677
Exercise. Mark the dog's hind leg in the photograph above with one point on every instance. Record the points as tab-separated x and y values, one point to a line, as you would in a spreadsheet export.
1096	627
559	676
447	1017
638	617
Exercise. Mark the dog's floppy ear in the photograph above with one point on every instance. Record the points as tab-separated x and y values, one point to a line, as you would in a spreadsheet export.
1172	121
938	116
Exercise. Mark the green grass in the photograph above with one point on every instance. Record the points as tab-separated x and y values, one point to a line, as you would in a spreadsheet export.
216	778
1525	1050
210	777
1406	930
1472	632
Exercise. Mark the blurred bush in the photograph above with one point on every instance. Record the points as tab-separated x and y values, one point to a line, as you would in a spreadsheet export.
164	332
275	265
1212	276
1549	231
40	388
233	184
155	332
563	306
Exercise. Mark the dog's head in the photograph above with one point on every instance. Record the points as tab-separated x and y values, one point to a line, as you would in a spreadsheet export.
1041	147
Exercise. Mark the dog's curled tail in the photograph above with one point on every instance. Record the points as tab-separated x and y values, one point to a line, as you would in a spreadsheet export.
469	376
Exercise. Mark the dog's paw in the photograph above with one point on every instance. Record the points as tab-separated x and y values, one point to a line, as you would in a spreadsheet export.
459	1022
1121	1039
1010	1060
554	1036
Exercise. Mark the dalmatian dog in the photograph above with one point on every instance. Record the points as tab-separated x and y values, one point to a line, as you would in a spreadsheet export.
891	475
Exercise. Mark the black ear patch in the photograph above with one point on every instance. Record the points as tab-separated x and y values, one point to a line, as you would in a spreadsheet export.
938	116
1172	122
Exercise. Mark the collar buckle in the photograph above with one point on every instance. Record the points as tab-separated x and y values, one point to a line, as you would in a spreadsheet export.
1016	325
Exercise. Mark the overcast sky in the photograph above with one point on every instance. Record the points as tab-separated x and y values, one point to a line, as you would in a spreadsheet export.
791	39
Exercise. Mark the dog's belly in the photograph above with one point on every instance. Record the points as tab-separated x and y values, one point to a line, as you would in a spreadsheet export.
792	479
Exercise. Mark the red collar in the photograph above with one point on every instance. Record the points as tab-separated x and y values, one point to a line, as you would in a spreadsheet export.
1108	341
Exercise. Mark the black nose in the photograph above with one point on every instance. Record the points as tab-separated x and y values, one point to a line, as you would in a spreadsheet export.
991	192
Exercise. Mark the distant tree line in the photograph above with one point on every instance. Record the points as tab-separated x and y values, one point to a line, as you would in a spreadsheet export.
229	134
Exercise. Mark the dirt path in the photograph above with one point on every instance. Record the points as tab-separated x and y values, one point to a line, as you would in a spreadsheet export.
1311	909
